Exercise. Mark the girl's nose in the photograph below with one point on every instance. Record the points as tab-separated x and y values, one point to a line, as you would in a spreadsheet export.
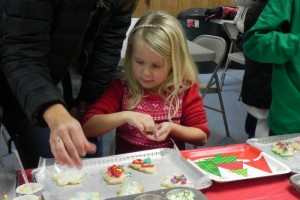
146	70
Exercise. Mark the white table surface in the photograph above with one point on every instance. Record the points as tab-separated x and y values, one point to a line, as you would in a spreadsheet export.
221	21
198	53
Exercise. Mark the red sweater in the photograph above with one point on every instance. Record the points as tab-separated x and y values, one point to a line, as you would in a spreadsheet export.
191	113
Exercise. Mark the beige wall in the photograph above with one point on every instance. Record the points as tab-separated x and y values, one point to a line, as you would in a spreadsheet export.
176	6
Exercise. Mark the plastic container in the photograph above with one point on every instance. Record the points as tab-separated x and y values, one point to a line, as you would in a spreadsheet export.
27	197
295	181
194	23
180	194
149	197
33	189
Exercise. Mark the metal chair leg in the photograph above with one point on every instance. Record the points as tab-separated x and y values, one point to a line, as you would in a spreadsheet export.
224	73
222	108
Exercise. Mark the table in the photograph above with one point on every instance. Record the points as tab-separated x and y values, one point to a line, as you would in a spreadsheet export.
221	21
274	187
266	188
198	53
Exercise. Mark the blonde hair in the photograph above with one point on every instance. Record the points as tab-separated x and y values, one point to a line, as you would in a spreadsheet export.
163	34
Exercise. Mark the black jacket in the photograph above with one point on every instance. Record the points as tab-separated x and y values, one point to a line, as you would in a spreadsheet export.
256	87
40	38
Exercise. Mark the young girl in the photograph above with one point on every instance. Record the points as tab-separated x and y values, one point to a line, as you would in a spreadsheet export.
158	101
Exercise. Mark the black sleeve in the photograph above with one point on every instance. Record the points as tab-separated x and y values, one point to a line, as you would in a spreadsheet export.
107	50
24	53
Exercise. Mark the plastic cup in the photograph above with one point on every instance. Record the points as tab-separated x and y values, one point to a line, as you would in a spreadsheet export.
32	189
181	194
149	197
27	197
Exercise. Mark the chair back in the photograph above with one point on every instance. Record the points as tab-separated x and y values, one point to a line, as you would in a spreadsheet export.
234	52
214	43
231	30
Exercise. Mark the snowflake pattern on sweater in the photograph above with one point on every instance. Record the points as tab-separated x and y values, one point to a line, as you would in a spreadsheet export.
155	106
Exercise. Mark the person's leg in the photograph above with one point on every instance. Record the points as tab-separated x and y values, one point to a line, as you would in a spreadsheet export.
32	142
262	128
250	125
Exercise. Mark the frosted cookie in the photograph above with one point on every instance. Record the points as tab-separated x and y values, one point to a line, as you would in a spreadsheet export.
68	178
115	174
86	196
284	149
129	188
174	181
143	165
296	145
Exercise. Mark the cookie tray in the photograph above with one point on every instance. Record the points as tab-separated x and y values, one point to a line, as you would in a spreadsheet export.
234	162
264	144
165	194
168	162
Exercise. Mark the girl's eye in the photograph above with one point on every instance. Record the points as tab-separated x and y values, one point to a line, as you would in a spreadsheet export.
156	66
139	62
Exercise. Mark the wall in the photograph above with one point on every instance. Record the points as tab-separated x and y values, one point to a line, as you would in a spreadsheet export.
176	6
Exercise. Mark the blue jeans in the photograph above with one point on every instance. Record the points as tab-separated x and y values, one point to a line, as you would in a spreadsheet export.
32	142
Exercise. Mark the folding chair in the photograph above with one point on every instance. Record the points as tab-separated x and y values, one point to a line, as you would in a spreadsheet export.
233	54
219	46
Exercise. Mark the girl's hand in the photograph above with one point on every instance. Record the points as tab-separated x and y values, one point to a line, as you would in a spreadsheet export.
163	130
143	122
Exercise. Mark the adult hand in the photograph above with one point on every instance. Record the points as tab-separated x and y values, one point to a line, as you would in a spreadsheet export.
67	140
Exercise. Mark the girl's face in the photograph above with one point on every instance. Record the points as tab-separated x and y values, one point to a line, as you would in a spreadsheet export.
149	68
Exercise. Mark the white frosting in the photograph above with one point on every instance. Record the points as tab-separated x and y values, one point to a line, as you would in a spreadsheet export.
68	177
129	188
29	188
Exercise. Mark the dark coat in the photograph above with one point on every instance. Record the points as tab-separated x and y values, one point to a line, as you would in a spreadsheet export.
256	88
40	38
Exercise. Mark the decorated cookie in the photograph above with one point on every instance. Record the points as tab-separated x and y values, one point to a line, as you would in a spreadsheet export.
296	145
129	188
174	181
284	149
115	174
143	165
68	178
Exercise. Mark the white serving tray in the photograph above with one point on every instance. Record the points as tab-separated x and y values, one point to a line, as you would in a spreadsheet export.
275	166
